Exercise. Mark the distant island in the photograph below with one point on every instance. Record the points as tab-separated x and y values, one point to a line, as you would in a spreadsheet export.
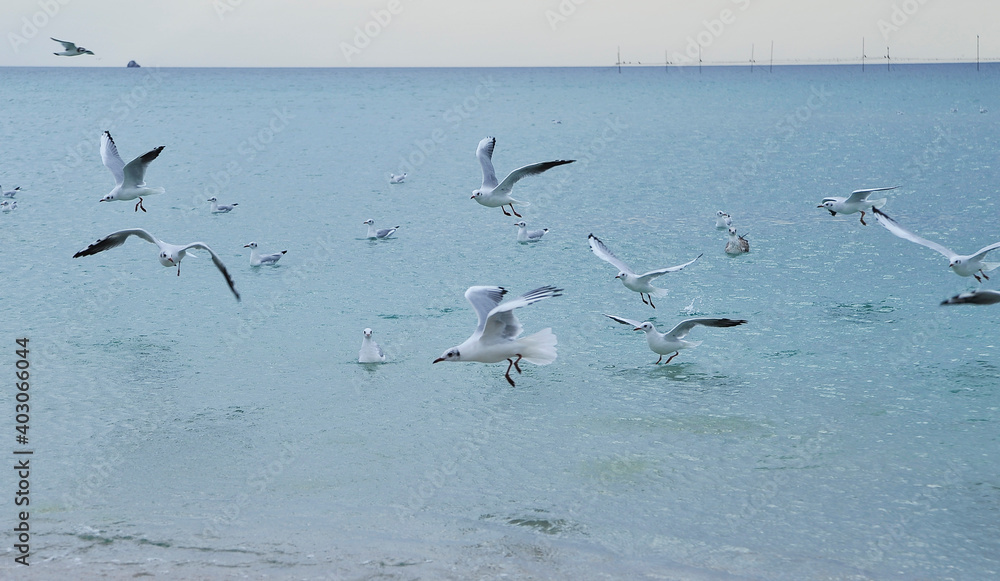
132	65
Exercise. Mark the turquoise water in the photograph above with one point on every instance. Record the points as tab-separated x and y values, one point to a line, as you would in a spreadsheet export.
848	430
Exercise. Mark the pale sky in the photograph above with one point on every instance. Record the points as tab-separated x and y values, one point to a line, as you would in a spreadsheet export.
521	33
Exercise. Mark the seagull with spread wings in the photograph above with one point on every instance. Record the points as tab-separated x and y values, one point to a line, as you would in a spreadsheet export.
130	178
639	283
673	340
494	194
858	201
70	49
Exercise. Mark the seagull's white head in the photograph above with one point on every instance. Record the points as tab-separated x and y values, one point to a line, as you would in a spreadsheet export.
827	204
369	222
212	199
520	224
251	245
647	327
368	333
476	194
108	198
732	231
166	259
622	275
720	213
449	355
955	262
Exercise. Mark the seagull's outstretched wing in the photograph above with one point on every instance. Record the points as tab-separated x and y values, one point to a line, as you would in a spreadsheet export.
483	299
529	170
894	227
976	297
116	239
218	264
982	251
135	170
624	321
606	255
681	329
655	273
113	161
502	325
485	154
67	45
860	195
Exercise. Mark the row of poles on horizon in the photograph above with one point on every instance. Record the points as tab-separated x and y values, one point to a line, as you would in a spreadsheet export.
770	65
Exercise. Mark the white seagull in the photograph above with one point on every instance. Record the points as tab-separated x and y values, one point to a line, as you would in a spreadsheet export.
976	297
963	265
495	194
673	340
525	235
380	233
736	244
6	206
257	259
858	201
129	178
397	179
639	283
496	336
370	352
170	254
70	49
723	220
218	208
10	193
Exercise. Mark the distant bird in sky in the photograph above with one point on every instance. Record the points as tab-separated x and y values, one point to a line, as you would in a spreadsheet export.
963	265
70	49
397	179
495	194
525	235
370	351
380	233
170	254
673	340
496	335
858	201
257	259
130	178
640	283
218	208
737	244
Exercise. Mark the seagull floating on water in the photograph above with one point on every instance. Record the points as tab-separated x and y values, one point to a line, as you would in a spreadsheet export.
723	220
257	259
218	208
129	178
397	179
370	352
858	201
7	206
496	335
378	234
525	235
976	297
70	49
639	283
737	244
673	340
170	254
495	194
963	265
10	193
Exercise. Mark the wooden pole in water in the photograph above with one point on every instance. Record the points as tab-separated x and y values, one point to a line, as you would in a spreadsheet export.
862	54
887	58
771	64
619	60
751	58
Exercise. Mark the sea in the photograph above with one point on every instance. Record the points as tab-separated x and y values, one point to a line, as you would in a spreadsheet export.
849	430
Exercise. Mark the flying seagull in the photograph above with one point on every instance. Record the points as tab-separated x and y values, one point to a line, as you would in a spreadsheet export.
963	265
639	283
673	340
496	335
130	178
857	202
976	297
70	49
495	194
170	254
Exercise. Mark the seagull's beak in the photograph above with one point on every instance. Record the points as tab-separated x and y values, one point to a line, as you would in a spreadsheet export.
438	360
101	200
472	197
246	246
821	206
637	329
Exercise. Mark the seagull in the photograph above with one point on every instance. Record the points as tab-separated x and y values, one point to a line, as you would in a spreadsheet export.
495	194
397	179
976	297
6	206
218	208
496	336
70	49
257	259
170	254
129	178
963	265
525	235
632	281
370	352
10	193
723	220
736	244
857	202
673	340
380	233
